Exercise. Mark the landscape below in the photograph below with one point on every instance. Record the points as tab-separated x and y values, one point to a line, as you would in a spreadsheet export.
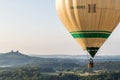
17	66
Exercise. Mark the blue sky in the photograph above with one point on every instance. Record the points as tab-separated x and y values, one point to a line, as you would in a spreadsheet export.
32	26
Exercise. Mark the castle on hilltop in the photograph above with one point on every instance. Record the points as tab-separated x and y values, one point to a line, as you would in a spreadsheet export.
14	51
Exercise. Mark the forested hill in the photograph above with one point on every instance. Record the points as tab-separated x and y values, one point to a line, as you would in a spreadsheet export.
16	58
13	55
12	58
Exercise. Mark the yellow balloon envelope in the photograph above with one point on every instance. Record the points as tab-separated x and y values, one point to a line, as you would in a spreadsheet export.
90	22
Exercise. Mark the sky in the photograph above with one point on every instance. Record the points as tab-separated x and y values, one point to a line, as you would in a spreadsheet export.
33	27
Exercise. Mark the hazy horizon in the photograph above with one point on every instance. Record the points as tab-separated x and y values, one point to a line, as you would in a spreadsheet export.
33	27
43	54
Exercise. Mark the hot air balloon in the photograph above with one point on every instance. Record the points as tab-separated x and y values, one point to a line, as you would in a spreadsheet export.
90	22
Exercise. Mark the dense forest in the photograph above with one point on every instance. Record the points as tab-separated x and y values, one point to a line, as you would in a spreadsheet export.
106	71
34	73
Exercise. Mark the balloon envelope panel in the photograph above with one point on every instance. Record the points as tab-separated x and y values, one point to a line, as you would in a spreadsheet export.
90	22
